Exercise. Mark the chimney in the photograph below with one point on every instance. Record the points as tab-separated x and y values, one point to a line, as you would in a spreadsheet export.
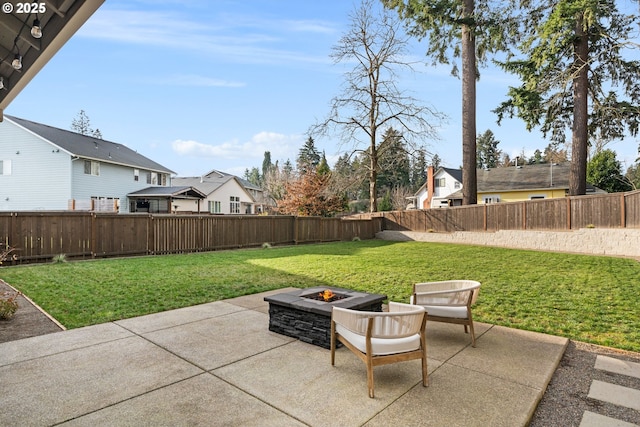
430	188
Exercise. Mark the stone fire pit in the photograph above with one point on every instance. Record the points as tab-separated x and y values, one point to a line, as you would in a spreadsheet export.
304	315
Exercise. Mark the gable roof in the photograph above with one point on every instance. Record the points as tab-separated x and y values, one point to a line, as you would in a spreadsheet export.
214	173
455	173
527	177
88	147
210	182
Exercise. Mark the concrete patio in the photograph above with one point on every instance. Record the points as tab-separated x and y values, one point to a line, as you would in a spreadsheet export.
218	364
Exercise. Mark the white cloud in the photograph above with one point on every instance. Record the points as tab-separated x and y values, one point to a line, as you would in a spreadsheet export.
281	147
196	80
219	39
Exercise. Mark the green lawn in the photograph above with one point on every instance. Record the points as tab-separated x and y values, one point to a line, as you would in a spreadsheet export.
586	298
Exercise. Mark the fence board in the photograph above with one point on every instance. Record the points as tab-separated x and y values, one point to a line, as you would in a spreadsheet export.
599	211
115	235
547	214
632	209
602	210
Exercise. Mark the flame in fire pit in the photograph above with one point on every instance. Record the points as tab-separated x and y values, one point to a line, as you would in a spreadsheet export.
327	295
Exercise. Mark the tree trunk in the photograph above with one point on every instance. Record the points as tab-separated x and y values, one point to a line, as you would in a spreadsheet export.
469	176
373	178
580	136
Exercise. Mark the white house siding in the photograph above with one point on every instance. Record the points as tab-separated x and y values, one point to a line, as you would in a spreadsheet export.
114	181
223	195
440	194
40	177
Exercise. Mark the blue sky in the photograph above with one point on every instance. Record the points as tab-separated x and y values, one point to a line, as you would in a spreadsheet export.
203	85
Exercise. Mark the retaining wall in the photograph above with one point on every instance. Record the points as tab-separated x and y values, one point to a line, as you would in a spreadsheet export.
593	241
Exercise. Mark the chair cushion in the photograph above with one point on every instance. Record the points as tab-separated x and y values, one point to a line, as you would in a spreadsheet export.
456	312
380	346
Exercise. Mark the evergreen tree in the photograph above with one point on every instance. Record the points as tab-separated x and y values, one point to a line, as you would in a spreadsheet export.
577	73
418	170
605	172
82	125
253	176
537	158
308	157
436	161
488	155
394	164
266	164
465	29
323	167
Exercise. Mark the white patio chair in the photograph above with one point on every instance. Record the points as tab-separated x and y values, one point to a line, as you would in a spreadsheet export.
448	301
380	338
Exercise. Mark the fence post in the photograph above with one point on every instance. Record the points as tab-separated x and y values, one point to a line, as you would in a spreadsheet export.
623	213
568	213
484	220
93	234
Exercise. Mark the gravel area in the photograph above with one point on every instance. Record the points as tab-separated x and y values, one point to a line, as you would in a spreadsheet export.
565	399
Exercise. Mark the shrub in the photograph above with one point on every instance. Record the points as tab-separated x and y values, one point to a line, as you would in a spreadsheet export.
60	258
8	305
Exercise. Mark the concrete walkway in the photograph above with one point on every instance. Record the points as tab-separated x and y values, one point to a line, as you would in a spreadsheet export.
217	364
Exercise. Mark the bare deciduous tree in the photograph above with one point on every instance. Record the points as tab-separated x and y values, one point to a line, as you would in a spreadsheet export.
371	101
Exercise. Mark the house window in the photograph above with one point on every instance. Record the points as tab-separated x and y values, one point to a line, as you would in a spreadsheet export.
163	180
5	167
536	197
440	182
136	174
215	206
456	184
154	178
234	206
91	168
491	199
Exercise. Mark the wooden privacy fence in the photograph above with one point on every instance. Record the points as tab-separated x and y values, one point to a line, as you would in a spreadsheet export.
39	236
615	210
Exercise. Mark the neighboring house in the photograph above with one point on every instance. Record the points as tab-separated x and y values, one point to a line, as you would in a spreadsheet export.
224	194
506	184
444	181
46	168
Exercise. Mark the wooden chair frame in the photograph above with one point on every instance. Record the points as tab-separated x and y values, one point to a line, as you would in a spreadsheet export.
368	325
448	293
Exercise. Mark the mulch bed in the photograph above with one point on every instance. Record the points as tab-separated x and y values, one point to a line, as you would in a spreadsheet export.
28	321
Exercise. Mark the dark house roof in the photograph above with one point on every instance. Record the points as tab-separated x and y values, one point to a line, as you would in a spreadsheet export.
173	192
528	177
522	178
455	173
88	147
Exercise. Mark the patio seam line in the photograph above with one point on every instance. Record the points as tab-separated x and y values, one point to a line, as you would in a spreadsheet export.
253	395
68	350
166	349
211	371
180	324
128	399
